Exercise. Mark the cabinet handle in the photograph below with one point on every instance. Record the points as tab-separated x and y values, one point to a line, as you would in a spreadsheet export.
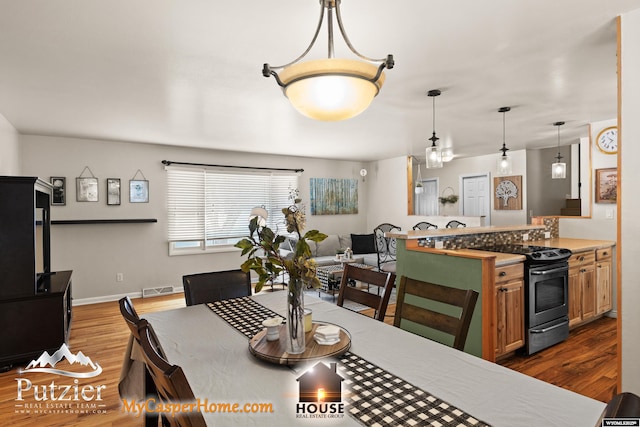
605	253
503	273
581	258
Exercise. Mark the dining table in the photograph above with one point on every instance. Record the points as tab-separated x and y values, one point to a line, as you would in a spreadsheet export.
391	376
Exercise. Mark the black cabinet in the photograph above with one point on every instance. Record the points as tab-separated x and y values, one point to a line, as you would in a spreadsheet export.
33	324
35	303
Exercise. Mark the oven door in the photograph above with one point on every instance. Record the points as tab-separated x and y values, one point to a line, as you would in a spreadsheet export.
547	293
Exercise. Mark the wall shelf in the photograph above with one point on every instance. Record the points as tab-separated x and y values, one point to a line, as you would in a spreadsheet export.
103	221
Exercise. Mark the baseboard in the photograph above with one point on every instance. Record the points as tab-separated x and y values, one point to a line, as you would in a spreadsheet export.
109	298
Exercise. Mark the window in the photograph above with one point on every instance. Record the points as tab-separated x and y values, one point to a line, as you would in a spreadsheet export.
209	209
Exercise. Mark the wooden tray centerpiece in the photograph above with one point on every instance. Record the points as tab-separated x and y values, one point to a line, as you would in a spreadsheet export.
276	351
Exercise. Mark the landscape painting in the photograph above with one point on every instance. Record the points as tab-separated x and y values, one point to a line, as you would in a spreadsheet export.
332	196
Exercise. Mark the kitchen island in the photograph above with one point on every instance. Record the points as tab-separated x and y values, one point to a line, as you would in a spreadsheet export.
497	326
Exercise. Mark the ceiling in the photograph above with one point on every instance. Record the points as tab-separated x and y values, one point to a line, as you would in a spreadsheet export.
188	72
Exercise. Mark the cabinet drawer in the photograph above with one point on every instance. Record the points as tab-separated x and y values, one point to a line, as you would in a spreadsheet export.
582	258
604	254
509	272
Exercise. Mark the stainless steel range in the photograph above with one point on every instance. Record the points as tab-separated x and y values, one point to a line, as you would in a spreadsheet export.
546	293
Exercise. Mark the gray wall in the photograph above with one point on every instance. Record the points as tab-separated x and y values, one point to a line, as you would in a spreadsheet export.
96	253
546	196
9	149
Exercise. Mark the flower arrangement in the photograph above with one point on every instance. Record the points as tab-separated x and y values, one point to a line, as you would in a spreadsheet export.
264	257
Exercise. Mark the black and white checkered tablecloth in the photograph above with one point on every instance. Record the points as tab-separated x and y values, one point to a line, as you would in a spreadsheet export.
375	397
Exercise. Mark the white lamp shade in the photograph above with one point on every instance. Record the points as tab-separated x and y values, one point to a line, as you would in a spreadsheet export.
419	189
504	166
558	170
434	157
331	89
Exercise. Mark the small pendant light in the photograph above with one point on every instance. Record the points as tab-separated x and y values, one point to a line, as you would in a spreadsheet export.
419	186
434	155
504	162
558	169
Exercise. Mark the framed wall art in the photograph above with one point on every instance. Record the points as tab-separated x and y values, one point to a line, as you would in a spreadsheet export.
507	192
331	196
138	189
86	187
607	185
59	190
113	191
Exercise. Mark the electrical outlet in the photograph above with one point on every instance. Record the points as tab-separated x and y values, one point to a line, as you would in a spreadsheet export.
547	234
439	244
525	237
119	277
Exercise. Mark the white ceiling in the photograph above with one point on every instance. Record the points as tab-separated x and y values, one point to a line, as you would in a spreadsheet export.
188	72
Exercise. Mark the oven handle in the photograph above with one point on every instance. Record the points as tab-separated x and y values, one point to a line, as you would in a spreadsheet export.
553	270
550	328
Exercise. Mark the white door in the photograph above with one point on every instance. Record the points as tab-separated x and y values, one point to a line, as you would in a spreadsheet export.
427	202
476	196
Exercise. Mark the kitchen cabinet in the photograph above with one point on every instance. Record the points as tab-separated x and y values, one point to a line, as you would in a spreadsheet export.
604	280
509	296
582	287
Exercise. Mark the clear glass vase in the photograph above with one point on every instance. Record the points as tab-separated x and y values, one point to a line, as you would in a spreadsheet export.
295	317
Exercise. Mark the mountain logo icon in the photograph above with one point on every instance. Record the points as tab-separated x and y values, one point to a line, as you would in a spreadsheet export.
45	359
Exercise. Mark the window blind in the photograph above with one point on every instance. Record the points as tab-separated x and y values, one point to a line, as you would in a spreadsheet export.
214	205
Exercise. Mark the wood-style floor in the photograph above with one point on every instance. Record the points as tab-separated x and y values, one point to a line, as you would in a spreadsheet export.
586	363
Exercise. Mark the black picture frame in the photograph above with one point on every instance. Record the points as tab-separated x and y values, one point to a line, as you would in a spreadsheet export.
59	196
113	191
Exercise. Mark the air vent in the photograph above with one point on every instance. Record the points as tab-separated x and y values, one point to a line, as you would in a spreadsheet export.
152	292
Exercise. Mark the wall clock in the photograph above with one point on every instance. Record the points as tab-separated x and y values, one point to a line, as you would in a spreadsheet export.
607	140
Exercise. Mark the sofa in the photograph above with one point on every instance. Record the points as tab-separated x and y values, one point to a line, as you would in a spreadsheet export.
324	253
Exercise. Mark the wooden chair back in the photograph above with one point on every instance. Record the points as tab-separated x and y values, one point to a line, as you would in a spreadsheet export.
171	383
130	316
216	286
458	326
384	280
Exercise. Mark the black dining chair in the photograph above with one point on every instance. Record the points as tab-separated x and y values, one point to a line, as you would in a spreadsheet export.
424	225
455	224
384	280
386	247
215	286
622	405
171	383
457	326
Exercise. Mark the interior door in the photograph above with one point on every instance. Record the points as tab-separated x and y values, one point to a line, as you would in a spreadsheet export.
427	202
476	196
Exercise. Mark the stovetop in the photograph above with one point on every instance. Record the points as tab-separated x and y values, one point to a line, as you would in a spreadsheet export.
532	252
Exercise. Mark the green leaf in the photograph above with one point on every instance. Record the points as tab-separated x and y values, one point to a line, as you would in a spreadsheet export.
315	236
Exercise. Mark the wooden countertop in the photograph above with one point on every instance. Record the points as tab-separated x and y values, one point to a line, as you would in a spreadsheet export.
574	245
445	232
501	259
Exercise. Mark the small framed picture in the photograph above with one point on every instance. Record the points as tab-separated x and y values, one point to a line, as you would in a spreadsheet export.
113	191
87	189
606	185
138	191
59	190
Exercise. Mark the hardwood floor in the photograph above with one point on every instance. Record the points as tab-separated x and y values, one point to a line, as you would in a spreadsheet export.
586	363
